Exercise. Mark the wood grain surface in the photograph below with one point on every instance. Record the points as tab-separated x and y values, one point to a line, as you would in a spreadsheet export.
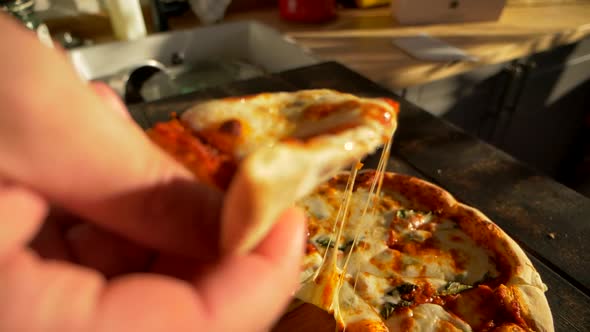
362	39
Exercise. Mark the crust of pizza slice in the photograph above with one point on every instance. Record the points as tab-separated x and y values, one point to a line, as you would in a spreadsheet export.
286	145
422	262
535	308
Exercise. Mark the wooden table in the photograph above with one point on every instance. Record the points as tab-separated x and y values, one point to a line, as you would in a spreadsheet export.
362	39
550	221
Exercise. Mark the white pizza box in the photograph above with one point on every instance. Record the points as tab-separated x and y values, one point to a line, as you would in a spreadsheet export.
446	11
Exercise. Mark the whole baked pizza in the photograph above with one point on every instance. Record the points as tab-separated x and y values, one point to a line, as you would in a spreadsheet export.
385	252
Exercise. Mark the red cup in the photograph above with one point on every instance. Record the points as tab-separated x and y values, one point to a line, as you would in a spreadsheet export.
311	11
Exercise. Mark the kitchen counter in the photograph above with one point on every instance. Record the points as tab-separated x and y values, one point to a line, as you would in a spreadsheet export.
362	39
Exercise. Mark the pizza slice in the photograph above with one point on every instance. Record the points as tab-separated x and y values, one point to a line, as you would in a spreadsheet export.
268	150
408	257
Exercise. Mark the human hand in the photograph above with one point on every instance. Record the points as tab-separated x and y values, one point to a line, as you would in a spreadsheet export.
142	252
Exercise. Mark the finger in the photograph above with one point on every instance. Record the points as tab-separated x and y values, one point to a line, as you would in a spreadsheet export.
21	213
105	252
63	144
110	98
46	295
56	296
242	294
256	287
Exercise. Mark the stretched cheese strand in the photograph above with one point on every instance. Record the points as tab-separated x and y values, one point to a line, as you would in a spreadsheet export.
343	218
356	277
374	192
321	290
382	167
324	289
334	250
373	195
340	216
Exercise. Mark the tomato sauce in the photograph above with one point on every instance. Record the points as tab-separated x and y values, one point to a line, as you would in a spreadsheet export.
485	308
376	112
208	164
394	104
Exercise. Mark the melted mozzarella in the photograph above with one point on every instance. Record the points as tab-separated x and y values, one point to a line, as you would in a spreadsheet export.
368	285
444	254
352	308
321	290
471	262
272	117
311	263
451	256
265	119
319	206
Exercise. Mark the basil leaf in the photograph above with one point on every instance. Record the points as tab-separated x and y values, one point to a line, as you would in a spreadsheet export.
453	288
486	277
387	310
325	242
388	307
406	288
403	304
346	245
403	214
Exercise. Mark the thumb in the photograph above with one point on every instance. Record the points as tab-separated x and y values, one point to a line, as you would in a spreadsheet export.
242	293
64	144
255	288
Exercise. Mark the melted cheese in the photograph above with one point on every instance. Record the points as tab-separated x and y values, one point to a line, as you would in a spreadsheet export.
431	252
347	308
323	288
471	261
271	118
352	309
450	255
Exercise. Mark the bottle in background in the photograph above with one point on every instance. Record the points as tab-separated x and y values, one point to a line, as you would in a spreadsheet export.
126	19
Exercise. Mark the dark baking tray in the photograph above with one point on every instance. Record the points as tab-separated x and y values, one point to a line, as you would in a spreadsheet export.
550	221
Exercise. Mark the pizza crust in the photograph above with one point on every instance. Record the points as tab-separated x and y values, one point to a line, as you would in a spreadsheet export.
535	308
516	272
522	276
521	270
